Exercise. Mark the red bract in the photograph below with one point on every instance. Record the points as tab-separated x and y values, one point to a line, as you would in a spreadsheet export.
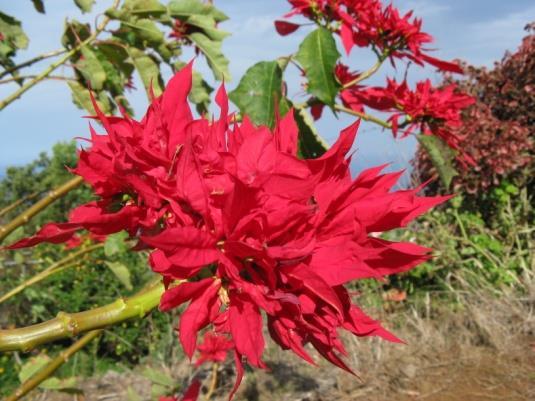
434	111
368	23
240	227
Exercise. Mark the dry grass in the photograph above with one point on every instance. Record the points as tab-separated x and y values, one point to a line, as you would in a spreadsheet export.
480	347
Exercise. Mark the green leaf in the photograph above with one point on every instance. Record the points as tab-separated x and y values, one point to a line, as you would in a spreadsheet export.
208	25
91	68
158	377
147	30
35	364
441	155
122	273
14	36
212	51
318	56
85	5
81	98
145	8
115	244
148	69
200	93
258	92
39	6
132	395
74	32
311	144
186	8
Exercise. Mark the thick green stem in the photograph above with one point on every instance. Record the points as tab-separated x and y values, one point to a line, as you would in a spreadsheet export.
66	262
67	325
25	216
54	365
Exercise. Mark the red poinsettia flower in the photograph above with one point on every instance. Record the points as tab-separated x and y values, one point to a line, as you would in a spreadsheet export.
434	111
240	227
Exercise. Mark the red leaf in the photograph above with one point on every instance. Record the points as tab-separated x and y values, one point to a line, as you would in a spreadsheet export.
285	28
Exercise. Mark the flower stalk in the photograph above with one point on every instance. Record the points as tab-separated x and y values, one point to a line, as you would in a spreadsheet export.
67	325
70	260
54	365
52	196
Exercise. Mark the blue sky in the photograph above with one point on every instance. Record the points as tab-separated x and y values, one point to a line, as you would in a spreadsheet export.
478	31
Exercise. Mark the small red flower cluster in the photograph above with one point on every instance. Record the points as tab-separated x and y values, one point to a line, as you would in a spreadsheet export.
366	23
434	111
239	226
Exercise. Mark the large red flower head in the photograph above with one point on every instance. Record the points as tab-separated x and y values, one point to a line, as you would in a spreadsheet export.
241	228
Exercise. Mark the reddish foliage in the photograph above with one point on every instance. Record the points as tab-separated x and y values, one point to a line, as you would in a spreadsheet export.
499	130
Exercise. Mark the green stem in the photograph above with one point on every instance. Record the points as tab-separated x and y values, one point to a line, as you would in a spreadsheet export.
25	216
67	325
52	366
366	74
25	77
17	203
66	262
364	116
31	61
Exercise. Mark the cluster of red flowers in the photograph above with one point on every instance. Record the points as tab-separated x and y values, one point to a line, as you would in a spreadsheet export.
239	226
366	23
434	111
369	23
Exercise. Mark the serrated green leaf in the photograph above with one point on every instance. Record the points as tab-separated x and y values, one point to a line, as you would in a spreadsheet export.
85	5
91	68
147	30
122	273
200	93
318	56
208	25
259	90
311	144
115	244
39	6
442	157
59	384
186	8
212	51
81	98
148	69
